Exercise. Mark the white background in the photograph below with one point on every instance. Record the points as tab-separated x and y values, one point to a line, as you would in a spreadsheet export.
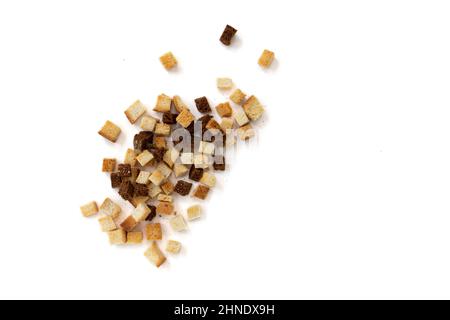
344	195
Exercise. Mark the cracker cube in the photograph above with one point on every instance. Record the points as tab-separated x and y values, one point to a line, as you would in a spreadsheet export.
153	231
173	246
178	223
110	208
185	118
227	124
129	223
130	157
159	142
266	58
187	158
162	129
109	165
163	103
89	209
144	158
143	177
156	178
134	237
179	104
138	200
148	123
135	111
107	224
253	109
224	83
165	208
201	192
241	118
224	109
201	161
141	212
110	131
246	132
164	169
167	187
117	237
206	147
208	179
164	198
194	212
154	255
168	60
237	96
154	191
171	156
180	170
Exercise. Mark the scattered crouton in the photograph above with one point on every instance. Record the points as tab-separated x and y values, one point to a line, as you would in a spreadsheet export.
110	131
135	237
117	237
163	103
168	60
89	209
109	165
266	58
224	83
178	223
173	246
237	96
155	255
107	223
194	212
153	231
165	208
110	208
135	111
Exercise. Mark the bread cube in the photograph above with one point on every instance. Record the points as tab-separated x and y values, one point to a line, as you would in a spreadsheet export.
135	111
107	223
165	208
144	158
110	131
162	129
110	208
173	246
153	231
224	83
156	178
129	223
180	170
117	237
208	179
168	60
163	103
109	165
148	123
178	223
194	212
185	118
135	237
237	96
154	255
266	58
143	177
141	212
253	109
241	118
89	209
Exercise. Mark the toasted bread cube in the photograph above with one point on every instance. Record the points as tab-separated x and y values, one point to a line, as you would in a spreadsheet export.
237	96
154	255
246	132
129	223
178	223
143	177
206	147
144	158
253	109
201	192
180	170
110	131
224	83
110	208
227	124
160	143
163	103
208	179
224	109
173	246
141	212
187	158
213	126
241	118
167	187
171	156
164	169
154	191
89	209
168	60
162	129
201	161
266	58
109	165
135	111
138	200
185	118
194	212
179	104
107	223
164	198
156	178
117	237
148	123
165	208
135	237
153	231
130	157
